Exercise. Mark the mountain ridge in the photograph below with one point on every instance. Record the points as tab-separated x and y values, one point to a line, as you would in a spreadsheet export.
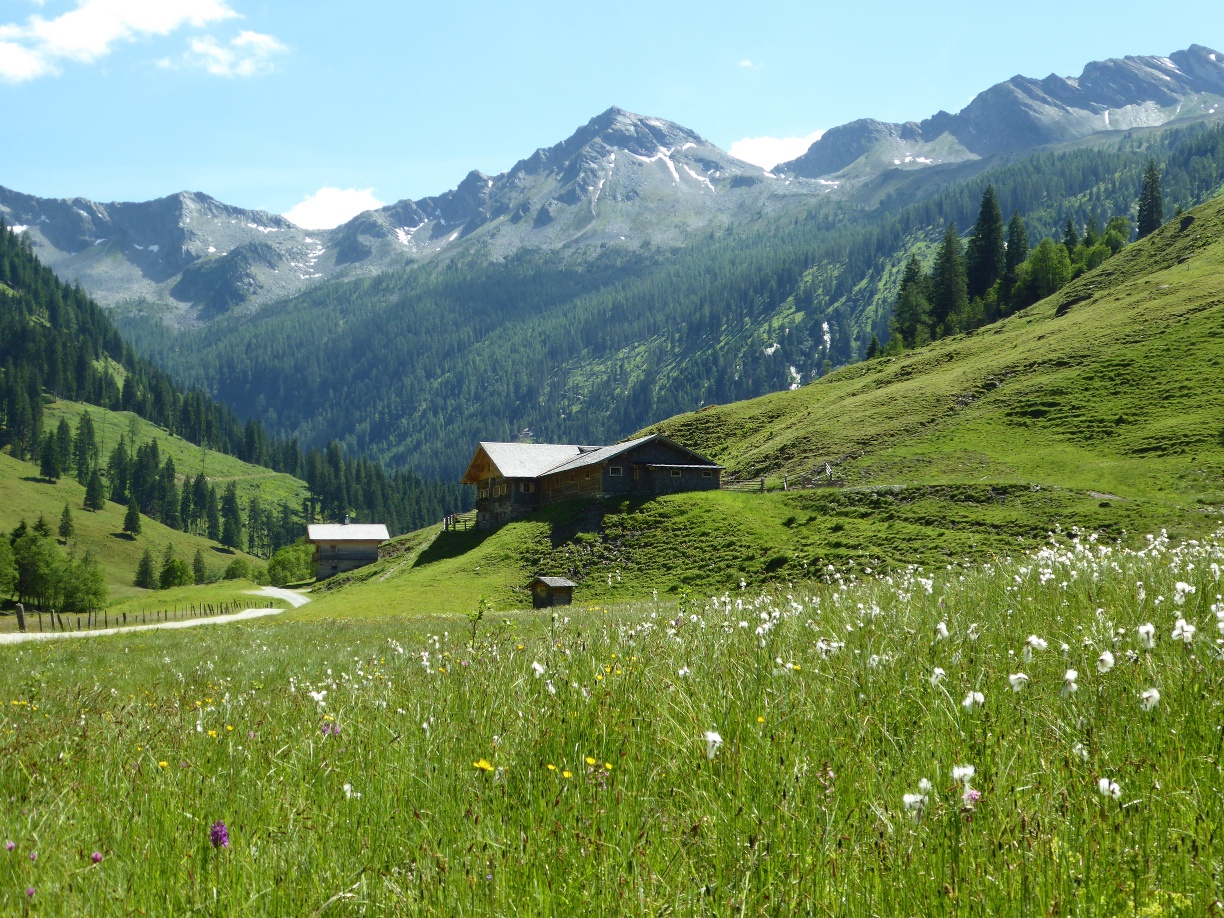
1023	113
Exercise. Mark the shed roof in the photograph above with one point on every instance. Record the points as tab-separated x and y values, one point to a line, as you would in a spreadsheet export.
555	582
600	454
347	532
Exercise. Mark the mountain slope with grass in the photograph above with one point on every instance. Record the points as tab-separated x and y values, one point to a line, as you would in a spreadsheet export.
1095	408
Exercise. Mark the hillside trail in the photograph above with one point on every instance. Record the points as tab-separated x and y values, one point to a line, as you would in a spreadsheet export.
294	599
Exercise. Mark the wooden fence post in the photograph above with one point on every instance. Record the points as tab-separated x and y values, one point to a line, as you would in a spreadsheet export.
20	617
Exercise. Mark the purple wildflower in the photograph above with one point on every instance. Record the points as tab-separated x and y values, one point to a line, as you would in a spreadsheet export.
219	835
10	845
97	857
33	855
30	891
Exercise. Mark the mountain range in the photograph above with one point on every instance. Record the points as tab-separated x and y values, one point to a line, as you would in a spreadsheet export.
620	180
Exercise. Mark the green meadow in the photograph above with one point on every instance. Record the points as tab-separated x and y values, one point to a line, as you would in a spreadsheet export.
1004	738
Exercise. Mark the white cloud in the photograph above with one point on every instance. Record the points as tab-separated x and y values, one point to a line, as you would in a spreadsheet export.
747	64
90	31
250	54
767	152
329	207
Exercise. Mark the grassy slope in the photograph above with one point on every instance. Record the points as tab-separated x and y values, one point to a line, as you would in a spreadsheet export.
252	480
24	495
972	447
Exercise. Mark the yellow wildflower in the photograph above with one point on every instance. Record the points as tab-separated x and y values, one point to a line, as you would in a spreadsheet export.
163	764
552	767
483	765
567	774
590	760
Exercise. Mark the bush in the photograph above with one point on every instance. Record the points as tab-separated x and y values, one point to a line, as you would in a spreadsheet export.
292	564
238	569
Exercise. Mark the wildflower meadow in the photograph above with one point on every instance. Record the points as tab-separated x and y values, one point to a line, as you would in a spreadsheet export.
1039	735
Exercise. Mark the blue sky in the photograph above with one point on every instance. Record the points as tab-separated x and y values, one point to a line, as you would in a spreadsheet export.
263	104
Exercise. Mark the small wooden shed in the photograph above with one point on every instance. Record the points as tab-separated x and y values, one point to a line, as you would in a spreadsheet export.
340	547
551	591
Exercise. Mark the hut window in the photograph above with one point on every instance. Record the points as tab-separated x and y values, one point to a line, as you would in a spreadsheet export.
675	473
588	474
636	472
706	473
526	487
615	471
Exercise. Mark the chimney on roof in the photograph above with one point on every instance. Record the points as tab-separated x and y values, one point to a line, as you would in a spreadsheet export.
346	519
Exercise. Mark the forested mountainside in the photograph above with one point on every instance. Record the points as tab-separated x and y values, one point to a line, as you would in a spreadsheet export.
414	366
56	343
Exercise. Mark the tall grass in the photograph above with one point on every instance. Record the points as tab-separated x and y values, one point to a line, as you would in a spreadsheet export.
561	766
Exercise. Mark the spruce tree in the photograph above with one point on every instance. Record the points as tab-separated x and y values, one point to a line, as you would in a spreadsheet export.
873	348
145	577
912	312
1151	204
85	448
198	569
212	515
950	293
63	446
66	529
1071	238
48	466
231	517
131	520
987	250
1017	253
95	495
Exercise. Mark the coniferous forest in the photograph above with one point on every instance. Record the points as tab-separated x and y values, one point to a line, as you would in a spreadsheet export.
414	367
55	342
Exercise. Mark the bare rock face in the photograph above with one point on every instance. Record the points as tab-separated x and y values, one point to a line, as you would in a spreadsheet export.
1024	113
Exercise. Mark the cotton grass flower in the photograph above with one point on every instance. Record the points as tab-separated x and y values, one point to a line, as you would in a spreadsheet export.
961	774
538	668
937	676
1033	643
1108	788
1180	591
1070	686
713	741
1147	635
349	793
1149	699
1184	631
1105	662
941	631
1018	681
973	701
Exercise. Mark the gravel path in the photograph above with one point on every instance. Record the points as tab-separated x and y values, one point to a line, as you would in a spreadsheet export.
294	599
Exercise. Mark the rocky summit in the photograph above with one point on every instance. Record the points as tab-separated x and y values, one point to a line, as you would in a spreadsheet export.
621	179
1024	113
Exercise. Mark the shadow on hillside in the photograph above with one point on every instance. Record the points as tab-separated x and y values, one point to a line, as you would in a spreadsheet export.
126	536
38	479
566	521
452	545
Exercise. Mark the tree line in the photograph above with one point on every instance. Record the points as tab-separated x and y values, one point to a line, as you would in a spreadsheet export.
56	342
995	272
38	572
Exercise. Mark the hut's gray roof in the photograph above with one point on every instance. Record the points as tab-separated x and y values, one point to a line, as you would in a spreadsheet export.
555	581
534	460
528	460
347	532
599	454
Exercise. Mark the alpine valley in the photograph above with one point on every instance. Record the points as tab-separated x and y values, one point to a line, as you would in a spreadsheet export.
629	273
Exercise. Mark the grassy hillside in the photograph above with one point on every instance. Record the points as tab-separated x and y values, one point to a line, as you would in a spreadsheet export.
1107	386
1093	409
270	487
23	495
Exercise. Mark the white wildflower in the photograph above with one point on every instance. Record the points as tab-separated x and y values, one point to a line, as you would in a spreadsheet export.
713	741
1033	643
1149	699
350	794
962	773
937	676
973	700
538	668
1070	687
1018	681
941	631
1080	751
1105	662
1183	631
683	671
1147	635
1109	788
